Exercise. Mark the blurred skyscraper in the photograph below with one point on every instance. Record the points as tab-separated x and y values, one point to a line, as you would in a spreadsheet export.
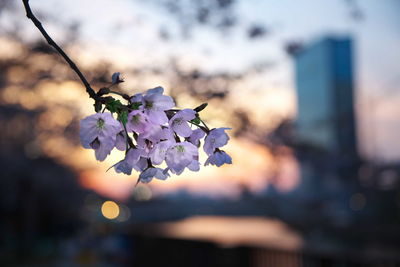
325	93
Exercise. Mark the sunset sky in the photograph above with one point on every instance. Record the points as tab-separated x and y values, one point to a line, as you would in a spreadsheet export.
126	32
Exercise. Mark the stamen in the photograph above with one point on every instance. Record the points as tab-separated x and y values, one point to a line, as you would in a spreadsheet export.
135	119
100	123
149	104
178	121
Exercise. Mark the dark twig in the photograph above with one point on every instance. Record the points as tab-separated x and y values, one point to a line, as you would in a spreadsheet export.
205	125
51	42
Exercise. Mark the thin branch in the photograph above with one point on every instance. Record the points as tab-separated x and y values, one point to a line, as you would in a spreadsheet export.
52	43
124	96
205	125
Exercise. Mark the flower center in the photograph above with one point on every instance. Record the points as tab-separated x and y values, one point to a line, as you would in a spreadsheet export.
180	149
149	104
135	119
178	121
100	123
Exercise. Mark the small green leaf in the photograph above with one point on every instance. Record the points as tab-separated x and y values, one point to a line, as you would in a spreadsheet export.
123	117
114	105
136	105
196	120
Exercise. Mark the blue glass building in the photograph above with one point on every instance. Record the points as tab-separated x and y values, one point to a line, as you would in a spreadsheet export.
325	93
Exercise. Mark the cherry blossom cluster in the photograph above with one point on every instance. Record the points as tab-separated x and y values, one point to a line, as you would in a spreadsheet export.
152	133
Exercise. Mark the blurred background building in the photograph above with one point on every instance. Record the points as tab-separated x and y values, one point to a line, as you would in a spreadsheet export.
325	96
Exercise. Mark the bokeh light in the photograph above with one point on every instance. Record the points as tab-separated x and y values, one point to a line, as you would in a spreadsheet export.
124	214
110	209
142	193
